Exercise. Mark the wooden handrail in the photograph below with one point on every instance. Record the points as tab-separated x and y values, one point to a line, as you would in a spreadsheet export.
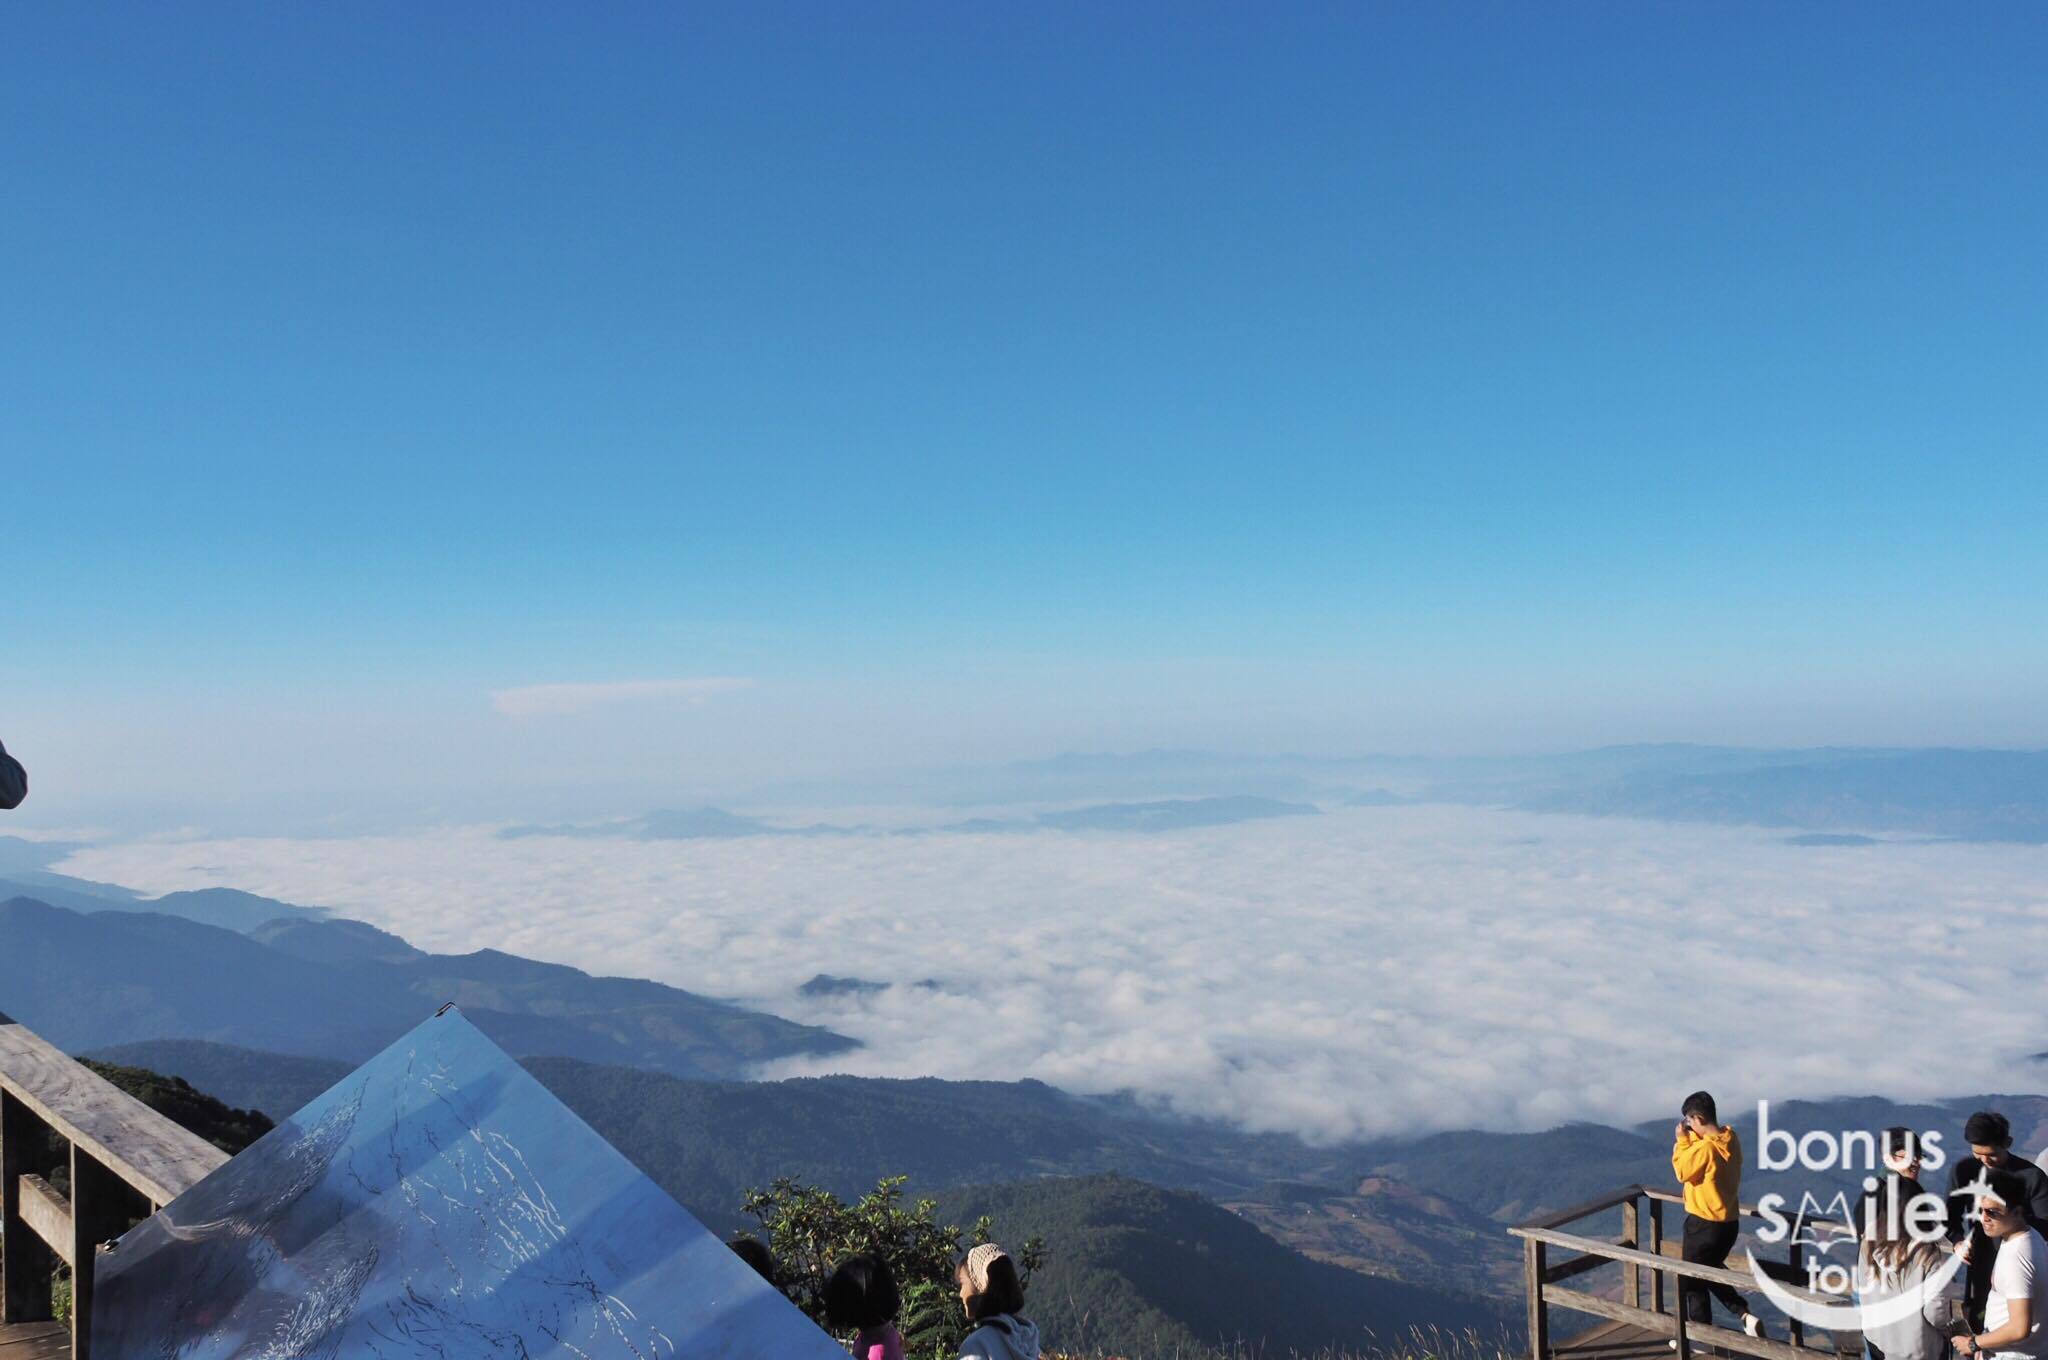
1745	1210
1542	1235
1690	1270
160	1159
1610	1200
1578	1265
122	1154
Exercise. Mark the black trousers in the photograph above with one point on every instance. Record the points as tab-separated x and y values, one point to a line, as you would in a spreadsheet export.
1977	1278
1708	1243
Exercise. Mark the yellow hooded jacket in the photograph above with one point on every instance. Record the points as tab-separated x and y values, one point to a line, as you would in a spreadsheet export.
1709	1166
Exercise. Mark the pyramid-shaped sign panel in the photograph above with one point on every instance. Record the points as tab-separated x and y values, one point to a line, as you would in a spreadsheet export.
438	1202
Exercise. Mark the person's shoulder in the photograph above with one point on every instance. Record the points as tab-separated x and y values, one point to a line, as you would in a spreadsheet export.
2023	1252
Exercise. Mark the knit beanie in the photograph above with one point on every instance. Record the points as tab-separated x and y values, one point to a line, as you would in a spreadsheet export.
977	1264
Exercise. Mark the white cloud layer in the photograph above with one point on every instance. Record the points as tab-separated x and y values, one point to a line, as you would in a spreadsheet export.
536	701
1368	971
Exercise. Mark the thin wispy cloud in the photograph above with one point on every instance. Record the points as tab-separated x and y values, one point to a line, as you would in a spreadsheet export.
543	701
1363	972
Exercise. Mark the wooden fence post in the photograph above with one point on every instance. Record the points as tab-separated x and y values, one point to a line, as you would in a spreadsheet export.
26	1265
1797	1258
1632	1280
1533	1258
99	1213
1657	1246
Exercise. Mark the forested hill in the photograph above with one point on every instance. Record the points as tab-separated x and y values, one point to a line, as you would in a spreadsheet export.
1134	1269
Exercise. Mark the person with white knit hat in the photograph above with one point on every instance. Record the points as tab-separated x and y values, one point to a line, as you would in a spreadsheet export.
994	1297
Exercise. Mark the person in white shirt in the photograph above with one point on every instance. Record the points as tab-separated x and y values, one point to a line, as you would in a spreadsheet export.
2019	1279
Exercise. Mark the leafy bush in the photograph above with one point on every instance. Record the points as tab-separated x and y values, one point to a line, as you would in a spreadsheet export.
811	1230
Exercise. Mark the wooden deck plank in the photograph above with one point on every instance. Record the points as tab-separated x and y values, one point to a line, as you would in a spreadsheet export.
35	1341
156	1156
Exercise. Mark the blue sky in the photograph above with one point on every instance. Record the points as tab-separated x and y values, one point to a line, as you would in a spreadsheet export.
980	381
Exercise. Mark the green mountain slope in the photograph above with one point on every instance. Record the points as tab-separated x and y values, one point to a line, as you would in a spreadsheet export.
226	1127
1384	1227
707	1143
1137	1269
278	1084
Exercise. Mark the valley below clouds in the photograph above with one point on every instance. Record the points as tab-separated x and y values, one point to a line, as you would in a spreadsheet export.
1369	971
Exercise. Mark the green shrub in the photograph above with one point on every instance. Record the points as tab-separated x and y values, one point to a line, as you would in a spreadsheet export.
811	1230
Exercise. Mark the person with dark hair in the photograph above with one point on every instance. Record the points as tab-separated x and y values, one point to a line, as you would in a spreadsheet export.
994	1299
1989	1135
861	1297
1889	1203
2017	1299
755	1253
13	781
1707	1158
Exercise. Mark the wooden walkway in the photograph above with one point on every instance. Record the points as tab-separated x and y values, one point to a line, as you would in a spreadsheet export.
35	1341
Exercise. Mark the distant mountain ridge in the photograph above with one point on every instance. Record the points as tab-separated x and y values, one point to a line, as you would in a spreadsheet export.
229	908
1968	795
712	823
1959	793
341	989
1171	814
694	824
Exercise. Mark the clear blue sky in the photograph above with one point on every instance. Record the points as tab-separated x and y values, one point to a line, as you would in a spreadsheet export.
982	380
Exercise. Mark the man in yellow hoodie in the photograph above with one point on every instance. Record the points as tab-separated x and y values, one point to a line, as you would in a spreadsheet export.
1708	1159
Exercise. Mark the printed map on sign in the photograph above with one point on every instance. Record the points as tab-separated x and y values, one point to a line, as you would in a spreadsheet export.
438	1202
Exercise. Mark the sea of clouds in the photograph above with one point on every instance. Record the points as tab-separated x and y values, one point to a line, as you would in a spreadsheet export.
1363	972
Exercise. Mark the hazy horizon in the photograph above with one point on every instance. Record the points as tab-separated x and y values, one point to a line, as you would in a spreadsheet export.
901	795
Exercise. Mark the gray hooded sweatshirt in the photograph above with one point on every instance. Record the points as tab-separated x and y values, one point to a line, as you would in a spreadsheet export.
1003	1337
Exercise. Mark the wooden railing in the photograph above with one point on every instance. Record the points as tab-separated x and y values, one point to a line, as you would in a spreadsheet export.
1651	1262
125	1162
